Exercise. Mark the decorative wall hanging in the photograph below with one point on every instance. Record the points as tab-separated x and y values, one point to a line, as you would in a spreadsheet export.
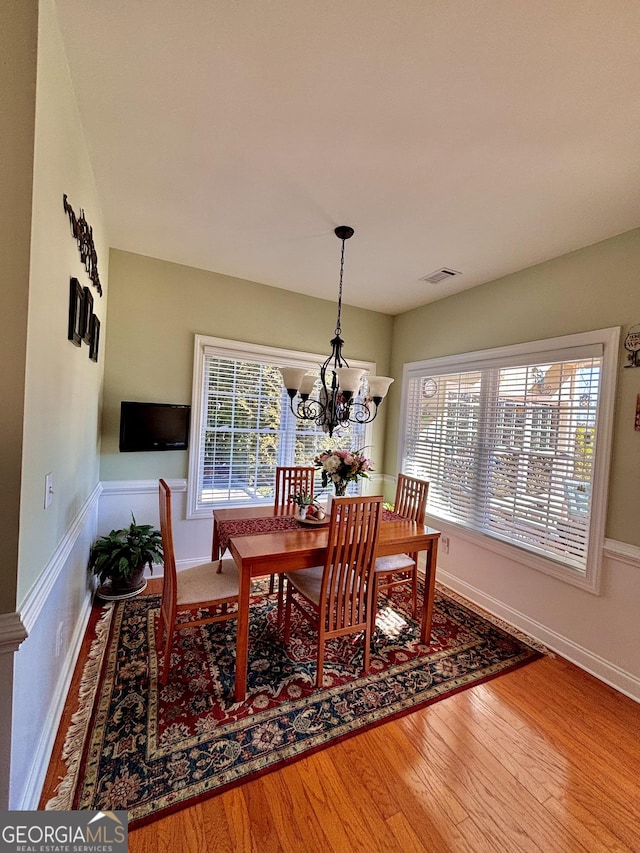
632	346
94	338
83	234
75	312
83	323
87	313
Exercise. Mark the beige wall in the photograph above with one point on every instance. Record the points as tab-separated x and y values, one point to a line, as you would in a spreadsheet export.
592	288
18	40
156	307
61	430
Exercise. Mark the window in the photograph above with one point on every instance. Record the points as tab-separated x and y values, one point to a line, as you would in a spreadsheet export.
515	443
242	426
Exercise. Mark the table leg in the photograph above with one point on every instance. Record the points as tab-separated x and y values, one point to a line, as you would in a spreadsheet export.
242	638
429	592
215	545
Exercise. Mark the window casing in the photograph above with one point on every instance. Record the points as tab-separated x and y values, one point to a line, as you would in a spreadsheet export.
516	444
242	426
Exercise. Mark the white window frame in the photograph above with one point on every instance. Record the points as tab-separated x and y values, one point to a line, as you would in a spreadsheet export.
547	349
205	345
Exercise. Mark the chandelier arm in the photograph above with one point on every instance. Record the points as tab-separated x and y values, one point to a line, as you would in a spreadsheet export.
362	414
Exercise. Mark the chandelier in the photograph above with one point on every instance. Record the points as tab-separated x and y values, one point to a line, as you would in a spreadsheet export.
344	395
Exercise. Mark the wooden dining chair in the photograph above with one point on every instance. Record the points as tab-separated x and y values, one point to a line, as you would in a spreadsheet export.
398	569
209	586
290	480
336	598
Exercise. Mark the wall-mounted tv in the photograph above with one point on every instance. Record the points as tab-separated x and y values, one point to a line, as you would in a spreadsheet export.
154	426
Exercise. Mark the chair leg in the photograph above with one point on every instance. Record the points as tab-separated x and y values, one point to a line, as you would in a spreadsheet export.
287	615
367	645
272	581
374	597
414	591
281	590
167	655
320	664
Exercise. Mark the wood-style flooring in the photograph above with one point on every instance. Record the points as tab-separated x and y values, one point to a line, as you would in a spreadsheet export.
544	759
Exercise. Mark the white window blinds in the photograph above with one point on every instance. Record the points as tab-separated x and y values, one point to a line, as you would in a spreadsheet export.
509	445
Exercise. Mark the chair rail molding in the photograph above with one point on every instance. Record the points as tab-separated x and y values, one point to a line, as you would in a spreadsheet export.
623	553
12	633
139	487
38	595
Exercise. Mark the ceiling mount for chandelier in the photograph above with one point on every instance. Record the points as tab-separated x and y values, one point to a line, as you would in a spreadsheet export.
344	394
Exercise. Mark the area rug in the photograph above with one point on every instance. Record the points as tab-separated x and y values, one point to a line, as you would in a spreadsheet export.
136	745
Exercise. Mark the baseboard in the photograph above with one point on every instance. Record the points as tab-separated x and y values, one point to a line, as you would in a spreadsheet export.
614	676
32	791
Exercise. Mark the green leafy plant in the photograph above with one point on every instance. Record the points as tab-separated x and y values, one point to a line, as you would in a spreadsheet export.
122	552
303	499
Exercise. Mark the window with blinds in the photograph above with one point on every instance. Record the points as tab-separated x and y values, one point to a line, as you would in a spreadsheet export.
510	441
243	427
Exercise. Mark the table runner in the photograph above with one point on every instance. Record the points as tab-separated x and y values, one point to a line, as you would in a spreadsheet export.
273	524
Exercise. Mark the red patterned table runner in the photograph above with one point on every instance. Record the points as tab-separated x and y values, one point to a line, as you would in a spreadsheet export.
274	524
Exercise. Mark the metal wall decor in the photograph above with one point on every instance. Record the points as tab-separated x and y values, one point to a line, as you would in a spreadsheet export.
83	234
632	346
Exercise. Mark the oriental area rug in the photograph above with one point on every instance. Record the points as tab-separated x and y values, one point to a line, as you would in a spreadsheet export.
136	745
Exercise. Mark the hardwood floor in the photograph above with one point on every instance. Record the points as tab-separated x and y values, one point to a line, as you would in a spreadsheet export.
543	759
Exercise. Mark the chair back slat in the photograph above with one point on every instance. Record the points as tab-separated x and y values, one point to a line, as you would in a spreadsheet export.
411	498
291	480
354	528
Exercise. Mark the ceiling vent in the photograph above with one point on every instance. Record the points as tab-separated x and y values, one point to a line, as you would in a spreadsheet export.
440	275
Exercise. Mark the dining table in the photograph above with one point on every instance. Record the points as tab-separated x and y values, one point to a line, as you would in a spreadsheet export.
265	540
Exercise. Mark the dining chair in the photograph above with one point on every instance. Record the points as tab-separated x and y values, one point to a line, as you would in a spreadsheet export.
336	597
398	569
209	586
290	480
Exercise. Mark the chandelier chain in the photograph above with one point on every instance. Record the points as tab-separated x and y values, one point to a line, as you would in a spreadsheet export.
338	329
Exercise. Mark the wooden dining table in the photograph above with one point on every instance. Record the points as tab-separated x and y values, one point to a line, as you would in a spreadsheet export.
259	551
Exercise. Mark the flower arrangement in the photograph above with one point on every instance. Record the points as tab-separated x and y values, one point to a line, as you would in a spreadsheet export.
342	467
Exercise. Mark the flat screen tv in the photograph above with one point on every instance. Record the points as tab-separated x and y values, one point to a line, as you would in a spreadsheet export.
154	426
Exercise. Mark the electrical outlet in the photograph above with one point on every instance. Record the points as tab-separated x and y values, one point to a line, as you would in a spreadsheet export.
48	490
444	544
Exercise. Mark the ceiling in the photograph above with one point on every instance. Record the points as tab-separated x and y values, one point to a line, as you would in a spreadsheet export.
480	135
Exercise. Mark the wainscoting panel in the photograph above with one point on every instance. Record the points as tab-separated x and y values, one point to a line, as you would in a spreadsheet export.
55	615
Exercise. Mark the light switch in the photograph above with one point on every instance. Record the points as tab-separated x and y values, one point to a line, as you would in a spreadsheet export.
48	490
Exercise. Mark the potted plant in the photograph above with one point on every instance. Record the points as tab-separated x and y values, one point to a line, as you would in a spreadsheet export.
307	506
119	559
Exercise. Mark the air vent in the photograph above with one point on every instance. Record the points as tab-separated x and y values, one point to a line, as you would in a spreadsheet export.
440	275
